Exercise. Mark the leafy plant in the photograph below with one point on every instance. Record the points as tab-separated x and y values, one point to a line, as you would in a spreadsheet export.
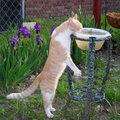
22	55
116	38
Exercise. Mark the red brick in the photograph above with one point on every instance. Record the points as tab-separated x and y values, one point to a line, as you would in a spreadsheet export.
58	8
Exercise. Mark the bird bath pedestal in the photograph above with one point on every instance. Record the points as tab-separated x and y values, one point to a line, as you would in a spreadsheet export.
91	39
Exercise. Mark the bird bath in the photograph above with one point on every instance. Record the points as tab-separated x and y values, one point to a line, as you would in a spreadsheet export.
90	39
82	38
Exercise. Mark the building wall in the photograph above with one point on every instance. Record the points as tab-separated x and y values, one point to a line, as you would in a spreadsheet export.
60	8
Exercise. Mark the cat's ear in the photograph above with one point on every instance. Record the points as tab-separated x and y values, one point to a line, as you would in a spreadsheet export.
75	17
71	21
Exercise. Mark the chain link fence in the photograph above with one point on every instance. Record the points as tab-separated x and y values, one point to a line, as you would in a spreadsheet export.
113	5
13	11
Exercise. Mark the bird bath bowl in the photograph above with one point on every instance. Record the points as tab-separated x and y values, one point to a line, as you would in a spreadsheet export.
82	38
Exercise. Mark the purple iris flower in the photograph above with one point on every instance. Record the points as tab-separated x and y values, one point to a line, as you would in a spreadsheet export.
14	41
38	39
37	27
51	31
18	34
23	29
29	34
25	32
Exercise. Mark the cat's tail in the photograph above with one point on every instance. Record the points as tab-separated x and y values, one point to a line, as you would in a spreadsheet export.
26	92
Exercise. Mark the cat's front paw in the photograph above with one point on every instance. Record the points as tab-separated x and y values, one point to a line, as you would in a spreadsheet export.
78	73
77	76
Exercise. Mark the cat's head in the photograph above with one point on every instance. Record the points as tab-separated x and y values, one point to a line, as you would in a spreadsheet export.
74	24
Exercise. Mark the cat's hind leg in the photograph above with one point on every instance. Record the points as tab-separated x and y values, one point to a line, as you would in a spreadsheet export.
48	99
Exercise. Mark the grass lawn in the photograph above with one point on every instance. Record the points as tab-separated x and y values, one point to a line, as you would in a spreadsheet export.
32	107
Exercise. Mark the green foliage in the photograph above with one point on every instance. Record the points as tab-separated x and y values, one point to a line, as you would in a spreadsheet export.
18	62
112	88
76	53
87	20
116	38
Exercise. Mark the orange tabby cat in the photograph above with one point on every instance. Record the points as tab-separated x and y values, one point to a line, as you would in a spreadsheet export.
58	59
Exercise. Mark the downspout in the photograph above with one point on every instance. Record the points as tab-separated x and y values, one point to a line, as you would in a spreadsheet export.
97	6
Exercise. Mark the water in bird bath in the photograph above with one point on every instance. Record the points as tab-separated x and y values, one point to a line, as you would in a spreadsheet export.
91	33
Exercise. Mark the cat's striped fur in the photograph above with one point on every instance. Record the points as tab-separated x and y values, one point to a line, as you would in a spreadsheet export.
59	57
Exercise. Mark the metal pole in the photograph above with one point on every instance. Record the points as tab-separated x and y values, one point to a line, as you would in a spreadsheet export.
90	77
106	1
109	46
23	9
69	78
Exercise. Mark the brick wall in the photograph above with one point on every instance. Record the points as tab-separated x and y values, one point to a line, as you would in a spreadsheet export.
60	8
